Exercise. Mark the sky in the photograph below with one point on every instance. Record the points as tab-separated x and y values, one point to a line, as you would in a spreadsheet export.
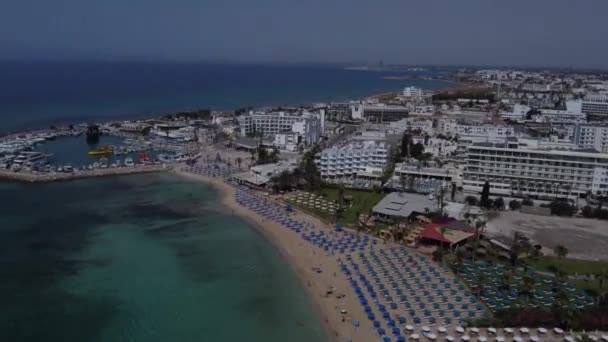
478	32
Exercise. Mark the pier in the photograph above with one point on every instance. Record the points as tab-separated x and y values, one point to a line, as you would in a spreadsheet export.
39	177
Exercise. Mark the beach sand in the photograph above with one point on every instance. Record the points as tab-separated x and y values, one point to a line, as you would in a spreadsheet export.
303	257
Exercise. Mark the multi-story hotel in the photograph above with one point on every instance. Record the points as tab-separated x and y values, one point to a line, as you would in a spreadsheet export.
378	112
367	159
592	135
490	131
517	169
307	126
596	104
412	93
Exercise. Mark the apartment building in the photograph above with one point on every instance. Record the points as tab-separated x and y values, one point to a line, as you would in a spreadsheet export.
489	131
355	159
592	135
413	93
307	126
595	107
378	112
442	174
556	116
522	169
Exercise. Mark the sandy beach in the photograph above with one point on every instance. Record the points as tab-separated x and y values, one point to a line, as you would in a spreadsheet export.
302	258
342	307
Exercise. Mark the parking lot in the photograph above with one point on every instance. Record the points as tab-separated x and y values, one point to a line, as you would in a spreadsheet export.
584	238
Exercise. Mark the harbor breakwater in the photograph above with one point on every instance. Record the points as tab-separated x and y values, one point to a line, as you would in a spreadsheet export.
38	177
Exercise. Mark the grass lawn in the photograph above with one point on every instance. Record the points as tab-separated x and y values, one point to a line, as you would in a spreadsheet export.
572	266
568	266
362	203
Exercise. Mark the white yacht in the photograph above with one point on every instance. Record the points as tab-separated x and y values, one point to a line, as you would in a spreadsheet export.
129	162
165	158
28	159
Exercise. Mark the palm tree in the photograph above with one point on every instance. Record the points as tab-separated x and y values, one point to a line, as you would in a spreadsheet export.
459	258
517	246
481	279
440	196
239	161
507	278
528	281
601	277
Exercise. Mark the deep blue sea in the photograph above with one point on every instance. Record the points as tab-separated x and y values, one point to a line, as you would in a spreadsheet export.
35	94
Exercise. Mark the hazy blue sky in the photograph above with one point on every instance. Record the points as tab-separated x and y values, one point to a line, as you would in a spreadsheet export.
531	32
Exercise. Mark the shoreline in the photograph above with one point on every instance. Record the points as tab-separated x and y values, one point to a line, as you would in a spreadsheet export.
301	258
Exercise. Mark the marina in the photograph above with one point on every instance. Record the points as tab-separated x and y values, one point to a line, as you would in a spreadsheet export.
64	153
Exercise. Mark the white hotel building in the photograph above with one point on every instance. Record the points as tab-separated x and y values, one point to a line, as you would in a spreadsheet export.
356	159
490	131
517	169
306	126
592	135
596	104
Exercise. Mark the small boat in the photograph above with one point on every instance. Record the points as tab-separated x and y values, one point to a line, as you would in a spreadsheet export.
129	162
104	150
165	158
103	162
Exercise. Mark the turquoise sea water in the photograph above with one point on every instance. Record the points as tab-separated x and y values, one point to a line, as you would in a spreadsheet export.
140	258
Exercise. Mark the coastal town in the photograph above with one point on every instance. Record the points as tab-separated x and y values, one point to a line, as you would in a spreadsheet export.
470	213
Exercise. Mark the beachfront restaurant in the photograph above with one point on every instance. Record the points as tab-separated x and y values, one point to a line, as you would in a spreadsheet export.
398	206
250	179
449	233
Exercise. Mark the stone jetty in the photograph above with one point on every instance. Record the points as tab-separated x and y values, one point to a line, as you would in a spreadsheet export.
35	177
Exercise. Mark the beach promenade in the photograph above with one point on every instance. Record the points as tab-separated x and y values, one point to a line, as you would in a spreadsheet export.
40	177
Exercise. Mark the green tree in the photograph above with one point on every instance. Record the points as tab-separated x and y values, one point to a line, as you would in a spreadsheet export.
528	283
239	161
309	170
263	156
514	205
499	203
470	200
588	211
406	142
340	210
417	150
560	251
485	195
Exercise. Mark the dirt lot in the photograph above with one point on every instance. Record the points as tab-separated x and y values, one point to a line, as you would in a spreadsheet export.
584	238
